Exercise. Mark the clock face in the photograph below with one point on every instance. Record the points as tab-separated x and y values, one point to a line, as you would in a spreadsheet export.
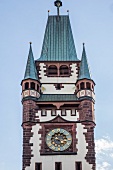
58	139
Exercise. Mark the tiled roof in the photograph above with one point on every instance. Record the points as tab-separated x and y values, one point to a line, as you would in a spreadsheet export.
84	68
58	44
57	97
30	71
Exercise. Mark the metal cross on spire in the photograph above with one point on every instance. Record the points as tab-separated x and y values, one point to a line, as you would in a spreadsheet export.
58	4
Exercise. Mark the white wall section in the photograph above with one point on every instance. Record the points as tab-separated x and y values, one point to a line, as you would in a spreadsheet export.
68	162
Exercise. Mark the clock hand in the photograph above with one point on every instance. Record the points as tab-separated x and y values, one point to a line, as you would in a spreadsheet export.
58	139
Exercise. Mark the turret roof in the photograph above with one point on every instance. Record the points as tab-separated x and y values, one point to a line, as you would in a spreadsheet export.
30	71
84	68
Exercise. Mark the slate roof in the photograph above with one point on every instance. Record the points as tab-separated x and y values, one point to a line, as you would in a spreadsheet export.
57	97
84	68
58	43
30	71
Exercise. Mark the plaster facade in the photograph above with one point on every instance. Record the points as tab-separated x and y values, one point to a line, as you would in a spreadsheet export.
68	161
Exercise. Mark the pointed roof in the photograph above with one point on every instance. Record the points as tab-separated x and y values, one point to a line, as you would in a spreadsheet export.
58	43
84	68
30	71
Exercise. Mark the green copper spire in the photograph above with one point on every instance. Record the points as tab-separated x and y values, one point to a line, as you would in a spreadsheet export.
58	44
84	69
30	67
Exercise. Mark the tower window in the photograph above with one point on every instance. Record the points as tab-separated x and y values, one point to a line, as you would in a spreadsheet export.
58	166
26	86
52	70
37	87
82	85
88	86
38	166
92	87
64	70
78	165
32	85
58	86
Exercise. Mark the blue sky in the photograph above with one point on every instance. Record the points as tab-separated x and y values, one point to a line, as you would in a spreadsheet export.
24	21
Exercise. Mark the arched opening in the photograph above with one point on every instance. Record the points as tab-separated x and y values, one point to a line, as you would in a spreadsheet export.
32	85
52	70
82	85
26	86
64	70
92	87
37	87
88	85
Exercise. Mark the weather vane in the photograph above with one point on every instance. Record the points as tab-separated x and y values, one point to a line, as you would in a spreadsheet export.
58	4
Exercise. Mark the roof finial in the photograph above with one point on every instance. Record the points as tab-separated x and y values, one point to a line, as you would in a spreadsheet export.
30	42
58	4
48	12
68	12
83	44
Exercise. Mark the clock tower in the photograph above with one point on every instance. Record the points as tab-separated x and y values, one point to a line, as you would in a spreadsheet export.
58	103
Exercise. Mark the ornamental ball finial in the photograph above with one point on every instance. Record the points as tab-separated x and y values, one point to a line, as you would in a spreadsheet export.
58	3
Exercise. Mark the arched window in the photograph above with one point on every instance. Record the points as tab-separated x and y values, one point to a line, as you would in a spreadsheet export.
32	85
92	87
52	70
64	70
88	85
26	86
37	87
82	85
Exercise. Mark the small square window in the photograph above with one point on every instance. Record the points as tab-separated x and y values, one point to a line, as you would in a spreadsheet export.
78	165
58	166
58	86
38	166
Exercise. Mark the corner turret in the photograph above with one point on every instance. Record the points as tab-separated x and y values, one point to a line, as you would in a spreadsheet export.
30	83
84	85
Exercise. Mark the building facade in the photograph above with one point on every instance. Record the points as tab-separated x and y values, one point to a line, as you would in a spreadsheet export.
58	103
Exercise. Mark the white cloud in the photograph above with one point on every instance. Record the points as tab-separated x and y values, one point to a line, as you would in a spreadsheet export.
103	166
104	144
104	153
